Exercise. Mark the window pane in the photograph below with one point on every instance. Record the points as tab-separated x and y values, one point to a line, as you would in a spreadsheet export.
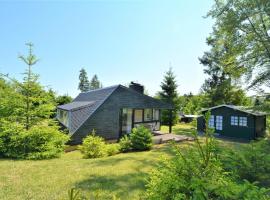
138	115
156	114
126	120
234	120
242	121
211	122
219	120
148	115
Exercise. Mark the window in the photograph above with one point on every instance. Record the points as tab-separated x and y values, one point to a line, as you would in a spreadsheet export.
234	120
242	121
126	120
138	115
63	117
219	120
211	122
156	114
148	115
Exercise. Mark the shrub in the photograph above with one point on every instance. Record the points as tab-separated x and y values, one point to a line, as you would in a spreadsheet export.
125	144
141	139
93	147
113	149
39	142
197	173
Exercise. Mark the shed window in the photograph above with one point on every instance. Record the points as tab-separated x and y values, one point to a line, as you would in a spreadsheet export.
63	117
148	115
211	122
234	120
138	115
219	120
242	121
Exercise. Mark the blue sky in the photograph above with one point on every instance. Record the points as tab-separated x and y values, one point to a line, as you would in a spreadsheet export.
120	41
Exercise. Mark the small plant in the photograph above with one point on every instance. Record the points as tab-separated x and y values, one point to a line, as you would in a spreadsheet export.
141	139
93	146
125	144
113	149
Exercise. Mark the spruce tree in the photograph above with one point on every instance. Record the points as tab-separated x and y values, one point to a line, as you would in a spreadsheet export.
84	85
169	95
95	83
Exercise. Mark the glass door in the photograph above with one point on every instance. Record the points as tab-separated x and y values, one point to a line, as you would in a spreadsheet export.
126	120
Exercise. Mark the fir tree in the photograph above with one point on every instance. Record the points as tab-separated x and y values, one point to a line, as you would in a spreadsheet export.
84	85
169	95
95	83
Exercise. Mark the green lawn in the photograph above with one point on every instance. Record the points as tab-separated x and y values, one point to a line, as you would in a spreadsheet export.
124	175
180	129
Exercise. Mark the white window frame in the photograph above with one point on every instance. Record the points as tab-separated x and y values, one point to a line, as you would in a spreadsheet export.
242	121
211	122
234	120
219	122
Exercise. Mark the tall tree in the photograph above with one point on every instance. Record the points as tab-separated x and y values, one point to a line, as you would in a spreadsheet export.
220	87
84	84
38	103
243	28
95	83
169	95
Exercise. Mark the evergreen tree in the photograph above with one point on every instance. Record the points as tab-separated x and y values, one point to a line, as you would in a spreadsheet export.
220	87
84	85
95	83
38	103
169	95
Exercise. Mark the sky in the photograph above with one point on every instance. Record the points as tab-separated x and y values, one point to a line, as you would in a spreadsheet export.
120	41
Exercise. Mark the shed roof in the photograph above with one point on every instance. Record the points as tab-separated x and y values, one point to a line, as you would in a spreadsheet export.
239	108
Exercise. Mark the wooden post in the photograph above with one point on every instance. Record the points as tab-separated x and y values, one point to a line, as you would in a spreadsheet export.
170	122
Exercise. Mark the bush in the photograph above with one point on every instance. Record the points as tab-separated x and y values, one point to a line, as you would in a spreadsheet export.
39	142
197	173
141	139
93	147
125	144
113	149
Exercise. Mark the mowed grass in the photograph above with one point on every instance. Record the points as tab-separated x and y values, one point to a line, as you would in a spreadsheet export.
124	175
180	129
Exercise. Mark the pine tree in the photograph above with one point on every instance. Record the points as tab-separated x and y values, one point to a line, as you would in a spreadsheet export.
169	95
84	85
38	103
95	83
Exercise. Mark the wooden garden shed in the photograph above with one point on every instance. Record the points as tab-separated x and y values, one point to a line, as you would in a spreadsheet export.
234	121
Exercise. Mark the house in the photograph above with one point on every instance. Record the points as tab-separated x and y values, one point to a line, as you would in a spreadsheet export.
234	121
111	112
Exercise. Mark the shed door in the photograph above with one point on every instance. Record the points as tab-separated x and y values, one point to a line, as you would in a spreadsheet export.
219	123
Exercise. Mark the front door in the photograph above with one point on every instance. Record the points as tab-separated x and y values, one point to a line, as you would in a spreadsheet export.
126	121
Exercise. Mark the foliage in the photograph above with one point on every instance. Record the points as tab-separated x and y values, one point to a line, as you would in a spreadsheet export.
125	144
220	87
197	173
63	99
191	104
41	141
84	84
75	194
93	146
112	149
251	162
242	38
141	139
169	95
95	83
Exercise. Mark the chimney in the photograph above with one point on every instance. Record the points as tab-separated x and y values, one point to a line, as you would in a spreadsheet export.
137	87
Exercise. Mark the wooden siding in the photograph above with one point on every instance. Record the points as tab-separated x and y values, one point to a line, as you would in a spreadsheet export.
106	119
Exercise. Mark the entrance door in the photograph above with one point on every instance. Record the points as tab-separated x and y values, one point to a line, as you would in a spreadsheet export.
219	123
126	120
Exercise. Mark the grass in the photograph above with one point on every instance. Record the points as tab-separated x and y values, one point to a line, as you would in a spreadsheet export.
180	129
124	175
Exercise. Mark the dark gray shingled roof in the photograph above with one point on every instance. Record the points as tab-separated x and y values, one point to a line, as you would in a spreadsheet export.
75	105
85	104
